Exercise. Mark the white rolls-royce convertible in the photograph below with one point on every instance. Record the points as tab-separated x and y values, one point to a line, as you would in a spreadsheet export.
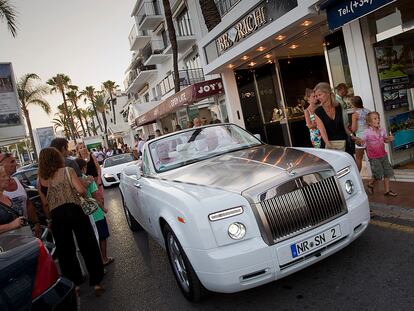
234	213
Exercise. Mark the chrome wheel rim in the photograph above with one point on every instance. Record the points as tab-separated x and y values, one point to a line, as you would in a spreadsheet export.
178	264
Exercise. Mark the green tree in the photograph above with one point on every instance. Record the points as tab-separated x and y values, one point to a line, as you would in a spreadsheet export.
94	127
60	122
85	115
173	40
9	14
101	107
90	93
60	83
110	87
31	94
73	97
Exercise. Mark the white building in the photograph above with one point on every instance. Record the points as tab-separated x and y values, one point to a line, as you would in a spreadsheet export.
268	52
149	80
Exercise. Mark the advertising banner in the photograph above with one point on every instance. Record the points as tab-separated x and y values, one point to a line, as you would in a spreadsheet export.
11	123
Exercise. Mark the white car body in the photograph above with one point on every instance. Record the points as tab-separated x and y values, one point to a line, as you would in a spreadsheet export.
111	175
185	197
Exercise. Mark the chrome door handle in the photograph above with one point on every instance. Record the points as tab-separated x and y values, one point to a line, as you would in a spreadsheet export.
137	185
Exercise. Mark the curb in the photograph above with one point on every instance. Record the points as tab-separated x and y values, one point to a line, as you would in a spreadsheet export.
394	211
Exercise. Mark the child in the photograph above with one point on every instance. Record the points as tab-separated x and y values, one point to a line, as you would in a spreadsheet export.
98	215
358	127
374	138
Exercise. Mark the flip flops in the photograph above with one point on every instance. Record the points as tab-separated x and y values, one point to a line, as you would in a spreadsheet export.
370	188
110	260
390	194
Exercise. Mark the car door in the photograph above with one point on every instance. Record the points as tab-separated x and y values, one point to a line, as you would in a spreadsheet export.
132	195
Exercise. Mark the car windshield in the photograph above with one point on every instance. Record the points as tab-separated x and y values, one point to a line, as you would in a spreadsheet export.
198	144
118	159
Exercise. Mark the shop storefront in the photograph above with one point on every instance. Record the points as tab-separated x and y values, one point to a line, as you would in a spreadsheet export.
199	100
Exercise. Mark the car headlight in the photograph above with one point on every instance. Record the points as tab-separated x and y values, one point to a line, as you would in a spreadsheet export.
236	230
226	213
349	186
106	175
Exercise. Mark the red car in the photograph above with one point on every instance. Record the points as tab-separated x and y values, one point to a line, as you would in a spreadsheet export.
29	278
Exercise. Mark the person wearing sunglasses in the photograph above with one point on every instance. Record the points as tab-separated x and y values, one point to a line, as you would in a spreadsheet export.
15	191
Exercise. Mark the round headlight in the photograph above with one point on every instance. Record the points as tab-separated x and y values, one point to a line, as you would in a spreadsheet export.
349	186
237	230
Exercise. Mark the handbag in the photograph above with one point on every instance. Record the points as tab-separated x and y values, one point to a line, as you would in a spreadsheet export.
338	145
88	205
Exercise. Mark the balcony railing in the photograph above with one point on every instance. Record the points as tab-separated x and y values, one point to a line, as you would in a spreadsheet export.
134	33
149	8
135	72
187	77
225	6
183	28
154	47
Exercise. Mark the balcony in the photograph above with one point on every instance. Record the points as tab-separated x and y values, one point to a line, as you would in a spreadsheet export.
155	53
185	36
138	39
187	77
137	78
149	15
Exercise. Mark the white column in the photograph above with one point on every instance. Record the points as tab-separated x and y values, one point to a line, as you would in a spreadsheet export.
233	104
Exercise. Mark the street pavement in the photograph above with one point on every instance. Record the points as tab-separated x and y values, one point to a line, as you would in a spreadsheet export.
374	273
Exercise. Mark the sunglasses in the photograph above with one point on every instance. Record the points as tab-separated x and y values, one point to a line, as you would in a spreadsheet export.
4	156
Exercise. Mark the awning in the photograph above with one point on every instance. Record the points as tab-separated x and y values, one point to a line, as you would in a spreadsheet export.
186	96
341	12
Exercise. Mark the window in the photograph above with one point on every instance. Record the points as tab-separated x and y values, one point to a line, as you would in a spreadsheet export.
184	24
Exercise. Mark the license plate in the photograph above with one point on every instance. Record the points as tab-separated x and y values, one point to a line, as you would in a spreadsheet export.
315	242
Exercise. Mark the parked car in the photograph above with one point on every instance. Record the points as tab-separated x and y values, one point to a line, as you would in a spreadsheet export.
234	213
29	279
112	167
27	175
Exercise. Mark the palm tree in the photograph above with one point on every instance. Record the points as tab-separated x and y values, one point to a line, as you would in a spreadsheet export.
85	115
210	13
173	40
110	87
60	122
91	114
101	108
89	93
8	13
73	97
30	94
60	83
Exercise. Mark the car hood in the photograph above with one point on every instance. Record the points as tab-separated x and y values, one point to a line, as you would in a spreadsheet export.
116	169
240	170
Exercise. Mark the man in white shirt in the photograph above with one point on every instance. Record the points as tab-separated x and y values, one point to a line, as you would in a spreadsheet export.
141	143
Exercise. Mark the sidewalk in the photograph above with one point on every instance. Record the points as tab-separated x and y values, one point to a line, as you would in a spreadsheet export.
401	206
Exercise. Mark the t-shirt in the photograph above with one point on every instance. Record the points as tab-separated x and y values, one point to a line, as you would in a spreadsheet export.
72	163
374	140
18	198
98	214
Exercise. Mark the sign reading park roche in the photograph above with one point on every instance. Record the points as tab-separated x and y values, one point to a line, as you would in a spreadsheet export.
189	95
260	16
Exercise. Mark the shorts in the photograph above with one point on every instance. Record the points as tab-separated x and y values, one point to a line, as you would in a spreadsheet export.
102	227
381	168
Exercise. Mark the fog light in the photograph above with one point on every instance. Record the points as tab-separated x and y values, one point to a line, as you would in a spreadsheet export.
349	186
237	230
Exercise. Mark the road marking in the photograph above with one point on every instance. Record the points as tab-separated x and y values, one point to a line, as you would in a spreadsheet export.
392	226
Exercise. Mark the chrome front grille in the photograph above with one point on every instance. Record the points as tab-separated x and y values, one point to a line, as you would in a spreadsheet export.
303	209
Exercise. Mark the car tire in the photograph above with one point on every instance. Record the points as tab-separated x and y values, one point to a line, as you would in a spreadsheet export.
132	223
184	273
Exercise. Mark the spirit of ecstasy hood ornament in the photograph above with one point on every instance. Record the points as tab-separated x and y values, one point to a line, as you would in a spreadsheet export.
289	169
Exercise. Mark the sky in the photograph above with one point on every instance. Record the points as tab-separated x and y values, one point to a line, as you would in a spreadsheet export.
84	39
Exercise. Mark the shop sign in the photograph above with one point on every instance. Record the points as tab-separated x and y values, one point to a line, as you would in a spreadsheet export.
341	12
189	95
267	11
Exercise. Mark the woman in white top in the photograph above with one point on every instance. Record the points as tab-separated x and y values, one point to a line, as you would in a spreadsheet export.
358	127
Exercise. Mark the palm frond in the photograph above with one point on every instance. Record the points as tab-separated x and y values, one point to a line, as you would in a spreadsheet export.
9	13
42	104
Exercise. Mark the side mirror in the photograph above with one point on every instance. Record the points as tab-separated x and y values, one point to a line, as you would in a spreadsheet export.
134	169
258	136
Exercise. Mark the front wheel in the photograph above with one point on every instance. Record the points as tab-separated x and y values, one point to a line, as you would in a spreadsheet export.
132	223
184	273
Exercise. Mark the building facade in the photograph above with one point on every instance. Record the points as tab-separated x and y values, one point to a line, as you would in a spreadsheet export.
269	52
149	81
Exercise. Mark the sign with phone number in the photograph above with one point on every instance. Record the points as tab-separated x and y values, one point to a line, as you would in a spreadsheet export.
342	12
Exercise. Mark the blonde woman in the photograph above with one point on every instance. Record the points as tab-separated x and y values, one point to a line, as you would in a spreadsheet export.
310	117
329	119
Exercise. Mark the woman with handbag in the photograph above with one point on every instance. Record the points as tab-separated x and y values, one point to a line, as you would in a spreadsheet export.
60	192
329	120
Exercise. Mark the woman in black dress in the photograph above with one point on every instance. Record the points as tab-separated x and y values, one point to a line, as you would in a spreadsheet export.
329	120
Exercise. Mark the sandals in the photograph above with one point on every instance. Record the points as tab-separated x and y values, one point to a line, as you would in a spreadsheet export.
390	194
370	188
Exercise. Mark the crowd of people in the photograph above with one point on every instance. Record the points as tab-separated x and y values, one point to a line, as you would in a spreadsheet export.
63	182
330	127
